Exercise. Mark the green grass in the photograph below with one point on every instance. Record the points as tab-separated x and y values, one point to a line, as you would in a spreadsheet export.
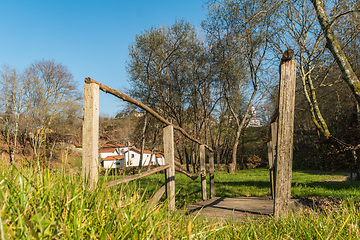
252	182
48	204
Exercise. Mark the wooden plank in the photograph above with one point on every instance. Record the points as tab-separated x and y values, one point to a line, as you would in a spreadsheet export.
212	176
138	176
90	138
272	156
203	172
158	195
186	173
271	168
274	129
285	132
169	159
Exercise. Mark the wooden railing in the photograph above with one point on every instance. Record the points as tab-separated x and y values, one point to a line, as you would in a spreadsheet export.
91	138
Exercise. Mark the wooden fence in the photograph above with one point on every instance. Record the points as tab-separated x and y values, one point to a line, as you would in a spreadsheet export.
91	139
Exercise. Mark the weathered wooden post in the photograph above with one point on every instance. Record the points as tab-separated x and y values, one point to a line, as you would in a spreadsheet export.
203	172
272	156
284	150
90	138
212	180
169	159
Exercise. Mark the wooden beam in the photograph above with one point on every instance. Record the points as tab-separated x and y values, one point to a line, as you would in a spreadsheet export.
90	138
137	176
126	98
158	195
212	179
186	173
285	132
272	156
169	159
203	172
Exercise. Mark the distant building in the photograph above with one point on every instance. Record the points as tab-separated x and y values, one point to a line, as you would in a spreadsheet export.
252	121
113	161
132	158
126	155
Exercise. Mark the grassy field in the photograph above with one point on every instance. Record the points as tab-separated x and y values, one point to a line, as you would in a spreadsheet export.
252	182
49	204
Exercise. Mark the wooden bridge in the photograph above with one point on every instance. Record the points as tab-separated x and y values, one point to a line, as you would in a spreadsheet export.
280	153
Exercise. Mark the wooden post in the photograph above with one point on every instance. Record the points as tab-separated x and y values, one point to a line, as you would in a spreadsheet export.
90	138
272	156
284	150
212	180
169	159
203	172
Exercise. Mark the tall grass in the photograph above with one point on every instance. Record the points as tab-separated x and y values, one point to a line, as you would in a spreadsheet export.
49	204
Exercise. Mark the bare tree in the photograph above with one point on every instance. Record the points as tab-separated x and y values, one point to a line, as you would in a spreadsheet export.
13	99
52	91
239	33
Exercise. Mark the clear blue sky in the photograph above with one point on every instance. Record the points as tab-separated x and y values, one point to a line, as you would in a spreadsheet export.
90	37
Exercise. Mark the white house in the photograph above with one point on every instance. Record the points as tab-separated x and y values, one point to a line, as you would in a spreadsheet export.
113	161
132	158
121	148
105	152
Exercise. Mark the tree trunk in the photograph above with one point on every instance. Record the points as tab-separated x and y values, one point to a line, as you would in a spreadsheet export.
333	45
238	131
242	150
316	115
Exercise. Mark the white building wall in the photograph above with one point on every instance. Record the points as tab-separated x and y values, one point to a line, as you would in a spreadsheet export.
113	163
134	159
159	161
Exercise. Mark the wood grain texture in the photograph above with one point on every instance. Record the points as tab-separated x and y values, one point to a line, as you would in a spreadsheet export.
203	170
90	138
285	132
212	176
168	137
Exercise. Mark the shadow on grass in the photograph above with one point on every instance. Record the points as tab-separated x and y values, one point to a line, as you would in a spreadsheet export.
260	184
318	172
333	185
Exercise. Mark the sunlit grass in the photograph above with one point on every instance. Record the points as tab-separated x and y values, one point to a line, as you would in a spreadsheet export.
49	204
246	183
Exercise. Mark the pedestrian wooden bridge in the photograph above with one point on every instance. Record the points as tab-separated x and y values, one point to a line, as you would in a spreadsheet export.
279	152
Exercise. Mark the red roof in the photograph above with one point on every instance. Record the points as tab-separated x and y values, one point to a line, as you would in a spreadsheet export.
107	150
112	158
139	151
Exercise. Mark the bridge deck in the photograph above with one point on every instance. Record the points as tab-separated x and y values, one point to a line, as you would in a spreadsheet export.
235	208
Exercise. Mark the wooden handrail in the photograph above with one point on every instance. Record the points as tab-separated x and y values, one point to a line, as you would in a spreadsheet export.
138	176
126	98
190	175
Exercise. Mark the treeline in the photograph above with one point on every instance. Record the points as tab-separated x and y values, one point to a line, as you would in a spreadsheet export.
206	80
39	107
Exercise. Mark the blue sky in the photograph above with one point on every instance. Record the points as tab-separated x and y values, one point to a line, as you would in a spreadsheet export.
90	37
